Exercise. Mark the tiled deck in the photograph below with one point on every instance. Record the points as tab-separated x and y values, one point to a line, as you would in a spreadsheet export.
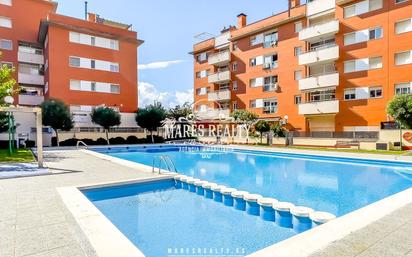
34	221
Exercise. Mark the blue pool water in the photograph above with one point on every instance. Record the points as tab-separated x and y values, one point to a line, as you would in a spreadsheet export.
164	221
335	185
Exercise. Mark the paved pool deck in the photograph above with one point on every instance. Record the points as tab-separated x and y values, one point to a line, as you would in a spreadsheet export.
34	221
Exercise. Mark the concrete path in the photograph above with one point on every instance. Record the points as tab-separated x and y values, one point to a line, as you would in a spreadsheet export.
13	170
35	223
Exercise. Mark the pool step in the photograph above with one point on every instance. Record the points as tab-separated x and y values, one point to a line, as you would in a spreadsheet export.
284	214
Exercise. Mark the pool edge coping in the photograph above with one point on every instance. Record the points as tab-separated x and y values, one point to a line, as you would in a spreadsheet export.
303	244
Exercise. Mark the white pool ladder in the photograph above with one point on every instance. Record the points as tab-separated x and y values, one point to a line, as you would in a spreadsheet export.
81	142
166	160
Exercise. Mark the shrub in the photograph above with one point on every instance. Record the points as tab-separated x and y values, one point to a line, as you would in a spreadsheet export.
118	141
132	140
101	141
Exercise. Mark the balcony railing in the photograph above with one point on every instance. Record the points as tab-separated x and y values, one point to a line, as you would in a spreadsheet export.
30	58
326	53
319	81
319	6
213	114
31	79
270	65
322	107
270	87
318	31
31	100
220	58
220	77
223	95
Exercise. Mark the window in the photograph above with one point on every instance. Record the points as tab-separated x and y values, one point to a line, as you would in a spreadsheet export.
403	58
252	103
114	44
362	7
375	33
403	26
375	92
252	62
114	89
93	64
201	57
234	66
234	86
198	75
114	67
298	50
270	105
298	75
74	37
93	41
318	96
93	86
403	88
8	64
255	40
5	22
363	36
90	40
298	99
400	1
234	46
270	61
298	26
6	44
256	82
271	40
5	2
235	107
74	61
270	84
75	85
363	64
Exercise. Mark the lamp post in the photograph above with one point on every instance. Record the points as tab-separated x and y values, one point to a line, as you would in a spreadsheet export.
10	100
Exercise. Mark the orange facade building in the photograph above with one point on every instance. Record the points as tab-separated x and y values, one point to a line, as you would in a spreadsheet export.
324	65
85	63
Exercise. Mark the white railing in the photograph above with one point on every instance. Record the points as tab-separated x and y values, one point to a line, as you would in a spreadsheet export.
213	114
320	55
219	58
31	100
32	79
219	77
319	81
319	6
30	58
319	30
220	95
322	107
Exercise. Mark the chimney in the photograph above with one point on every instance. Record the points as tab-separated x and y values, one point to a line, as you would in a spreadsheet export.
85	10
241	20
92	17
294	3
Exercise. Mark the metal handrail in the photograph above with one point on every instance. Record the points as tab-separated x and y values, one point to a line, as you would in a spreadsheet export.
81	142
167	161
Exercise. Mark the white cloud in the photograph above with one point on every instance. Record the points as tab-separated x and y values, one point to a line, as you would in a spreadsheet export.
158	65
148	94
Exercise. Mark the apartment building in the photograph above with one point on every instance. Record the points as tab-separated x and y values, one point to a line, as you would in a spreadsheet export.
85	63
324	65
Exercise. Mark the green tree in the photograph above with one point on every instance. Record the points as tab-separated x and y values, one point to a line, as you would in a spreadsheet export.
7	88
400	108
244	116
278	130
262	126
179	111
106	117
151	117
56	114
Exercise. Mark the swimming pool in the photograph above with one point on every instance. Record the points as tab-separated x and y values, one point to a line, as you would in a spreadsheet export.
331	184
164	221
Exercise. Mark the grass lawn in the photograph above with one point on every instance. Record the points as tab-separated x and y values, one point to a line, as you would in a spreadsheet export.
347	150
20	155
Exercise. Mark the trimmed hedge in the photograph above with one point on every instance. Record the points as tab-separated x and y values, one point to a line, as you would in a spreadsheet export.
131	140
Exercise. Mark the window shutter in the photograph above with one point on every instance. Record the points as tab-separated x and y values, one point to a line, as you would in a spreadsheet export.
362	64
362	36
259	60
350	39
259	82
362	93
259	103
259	39
362	7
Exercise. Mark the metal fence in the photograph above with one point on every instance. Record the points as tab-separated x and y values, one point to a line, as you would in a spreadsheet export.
372	135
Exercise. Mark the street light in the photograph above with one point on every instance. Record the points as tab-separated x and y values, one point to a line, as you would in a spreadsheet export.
10	100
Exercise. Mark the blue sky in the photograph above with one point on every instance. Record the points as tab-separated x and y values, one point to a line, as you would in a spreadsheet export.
168	28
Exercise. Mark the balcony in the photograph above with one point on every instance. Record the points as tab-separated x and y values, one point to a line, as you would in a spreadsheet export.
219	59
31	79
220	95
317	7
324	107
30	58
222	40
319	31
319	81
31	100
221	77
320	55
214	114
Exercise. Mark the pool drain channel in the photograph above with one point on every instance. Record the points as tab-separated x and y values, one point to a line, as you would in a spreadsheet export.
284	214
